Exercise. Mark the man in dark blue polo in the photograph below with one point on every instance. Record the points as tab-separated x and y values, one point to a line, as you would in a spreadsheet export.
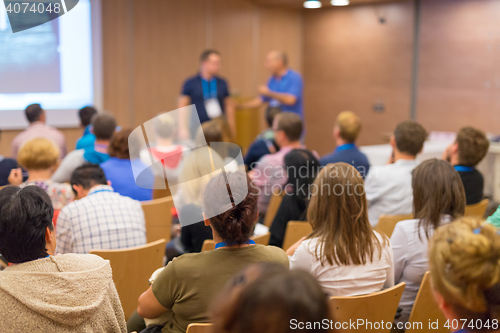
209	93
345	133
284	88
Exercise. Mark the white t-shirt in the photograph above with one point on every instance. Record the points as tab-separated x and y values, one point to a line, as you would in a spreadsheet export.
410	260
347	280
388	189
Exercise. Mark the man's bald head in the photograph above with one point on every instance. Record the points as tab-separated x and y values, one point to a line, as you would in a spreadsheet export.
276	61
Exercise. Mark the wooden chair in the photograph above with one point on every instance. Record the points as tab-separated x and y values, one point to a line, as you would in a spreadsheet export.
477	210
158	191
132	269
209	244
387	223
262	239
295	230
273	207
425	308
375	307
158	215
199	328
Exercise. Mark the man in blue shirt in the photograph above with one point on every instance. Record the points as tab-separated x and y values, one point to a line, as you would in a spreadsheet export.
345	133
284	88
209	93
87	140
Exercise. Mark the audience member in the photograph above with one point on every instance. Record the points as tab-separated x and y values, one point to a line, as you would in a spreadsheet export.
103	126
269	171
345	133
100	219
438	199
388	187
268	299
495	218
301	168
37	118
343	252
264	144
44	292
88	138
188	283
465	268
6	165
469	148
39	157
119	168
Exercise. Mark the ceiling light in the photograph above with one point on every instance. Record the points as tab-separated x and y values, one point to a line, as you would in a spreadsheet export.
340	2
312	4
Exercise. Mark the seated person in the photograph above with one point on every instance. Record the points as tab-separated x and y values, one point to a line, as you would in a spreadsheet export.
119	168
103	127
6	165
39	157
264	143
87	140
267	298
100	219
343	252
345	133
438	199
301	168
469	148
388	187
465	265
44	292
188	283
37	119
269	171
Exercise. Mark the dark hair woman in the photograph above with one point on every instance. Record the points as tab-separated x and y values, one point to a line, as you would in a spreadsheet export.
188	283
302	168
438	198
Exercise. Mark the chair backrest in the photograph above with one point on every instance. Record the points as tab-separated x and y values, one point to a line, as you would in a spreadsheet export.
199	328
209	244
273	207
425	308
262	239
132	268
387	223
295	230
372	308
158	215
477	210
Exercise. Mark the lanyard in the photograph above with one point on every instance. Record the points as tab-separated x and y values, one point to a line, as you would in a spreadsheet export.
461	168
347	146
224	244
209	88
100	191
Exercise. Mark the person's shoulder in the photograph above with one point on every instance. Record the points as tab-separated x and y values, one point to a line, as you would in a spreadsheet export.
271	253
221	80
191	80
75	154
406	226
295	74
79	262
327	159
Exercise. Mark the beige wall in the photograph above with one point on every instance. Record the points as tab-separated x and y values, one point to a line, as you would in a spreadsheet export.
351	61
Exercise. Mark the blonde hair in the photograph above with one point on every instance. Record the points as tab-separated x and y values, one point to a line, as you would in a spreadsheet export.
349	125
38	154
197	172
338	214
464	259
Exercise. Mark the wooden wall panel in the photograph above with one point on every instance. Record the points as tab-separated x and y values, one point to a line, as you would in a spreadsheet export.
459	76
351	61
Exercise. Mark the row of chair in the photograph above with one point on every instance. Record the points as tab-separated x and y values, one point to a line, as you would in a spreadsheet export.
374	309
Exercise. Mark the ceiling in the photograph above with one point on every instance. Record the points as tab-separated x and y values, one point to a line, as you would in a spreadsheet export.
326	3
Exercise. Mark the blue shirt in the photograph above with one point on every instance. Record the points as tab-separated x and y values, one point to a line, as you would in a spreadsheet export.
290	83
193	87
350	154
119	172
87	140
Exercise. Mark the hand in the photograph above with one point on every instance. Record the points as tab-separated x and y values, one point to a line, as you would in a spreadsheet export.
264	90
16	177
294	247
